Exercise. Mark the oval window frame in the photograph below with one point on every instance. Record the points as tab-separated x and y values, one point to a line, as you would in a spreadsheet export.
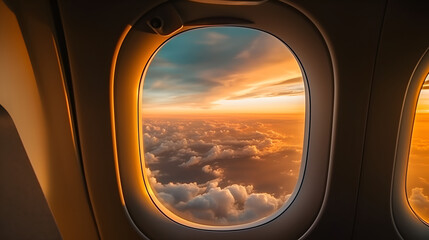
168	213
406	220
134	51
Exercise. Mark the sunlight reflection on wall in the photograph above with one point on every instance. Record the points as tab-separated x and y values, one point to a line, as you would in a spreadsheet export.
418	163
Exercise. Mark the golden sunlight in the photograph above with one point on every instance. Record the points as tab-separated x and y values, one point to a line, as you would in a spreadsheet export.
418	163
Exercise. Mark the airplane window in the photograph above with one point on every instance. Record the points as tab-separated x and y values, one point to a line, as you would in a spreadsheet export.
418	163
222	112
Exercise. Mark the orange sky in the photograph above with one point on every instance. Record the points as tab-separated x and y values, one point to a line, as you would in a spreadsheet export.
223	70
418	163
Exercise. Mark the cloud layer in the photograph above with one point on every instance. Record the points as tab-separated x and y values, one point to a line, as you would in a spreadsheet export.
220	172
210	204
420	203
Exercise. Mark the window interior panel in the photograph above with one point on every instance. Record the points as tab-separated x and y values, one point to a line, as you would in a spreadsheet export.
418	165
222	115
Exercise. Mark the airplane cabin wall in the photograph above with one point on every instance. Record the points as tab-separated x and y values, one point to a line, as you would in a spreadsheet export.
32	91
404	41
61	107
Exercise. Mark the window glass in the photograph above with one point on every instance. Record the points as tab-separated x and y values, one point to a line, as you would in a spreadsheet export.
222	114
418	165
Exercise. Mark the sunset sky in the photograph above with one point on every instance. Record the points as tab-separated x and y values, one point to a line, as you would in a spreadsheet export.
418	163
223	125
223	70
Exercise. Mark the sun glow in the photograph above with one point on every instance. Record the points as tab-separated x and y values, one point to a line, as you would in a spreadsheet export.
265	105
418	163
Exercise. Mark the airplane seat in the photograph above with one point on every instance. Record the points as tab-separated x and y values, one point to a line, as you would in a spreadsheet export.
24	212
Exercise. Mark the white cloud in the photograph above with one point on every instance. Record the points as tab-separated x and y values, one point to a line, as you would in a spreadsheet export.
215	172
209	203
249	151
260	205
186	151
216	202
213	38
267	142
169	145
424	180
149	141
194	160
216	152
150	158
289	173
419	202
173	193
240	192
227	140
214	146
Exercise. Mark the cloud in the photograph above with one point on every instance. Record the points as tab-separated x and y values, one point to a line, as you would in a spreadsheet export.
203	161
423	180
213	38
173	193
420	145
215	172
149	141
191	143
265	94
267	142
289	87
289	172
290	81
240	193
169	145
216	152
420	203
150	158
260	204
194	160
217	204
249	151
186	151
209	203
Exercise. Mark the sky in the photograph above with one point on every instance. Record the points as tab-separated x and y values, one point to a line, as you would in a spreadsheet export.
418	163
222	114
223	70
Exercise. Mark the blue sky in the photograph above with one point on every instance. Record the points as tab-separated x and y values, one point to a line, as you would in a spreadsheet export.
212	68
